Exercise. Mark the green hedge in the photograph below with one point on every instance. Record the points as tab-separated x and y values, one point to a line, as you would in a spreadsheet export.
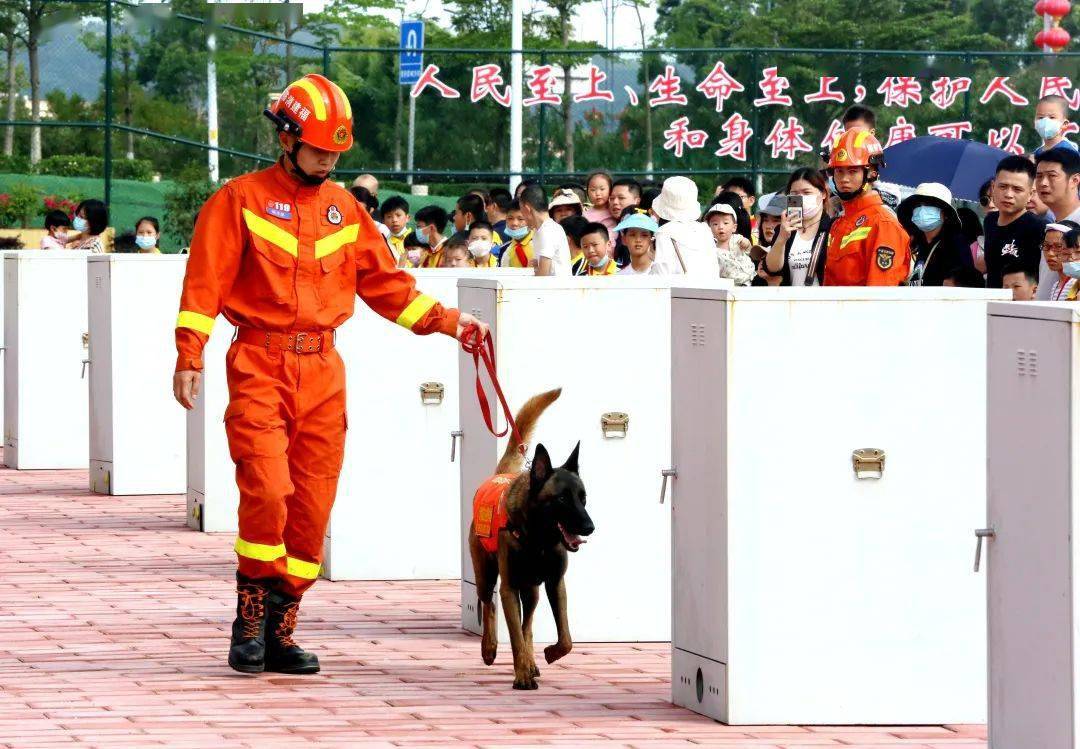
79	165
14	164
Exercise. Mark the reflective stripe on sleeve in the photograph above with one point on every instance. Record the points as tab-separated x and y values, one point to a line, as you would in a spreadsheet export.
195	321
416	309
261	552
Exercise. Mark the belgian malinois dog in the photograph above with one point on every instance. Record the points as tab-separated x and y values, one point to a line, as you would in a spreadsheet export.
543	517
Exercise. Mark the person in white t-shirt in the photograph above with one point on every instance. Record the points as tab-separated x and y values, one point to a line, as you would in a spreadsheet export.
638	230
550	247
684	245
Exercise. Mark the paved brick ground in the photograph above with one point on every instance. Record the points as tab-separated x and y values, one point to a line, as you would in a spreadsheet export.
113	621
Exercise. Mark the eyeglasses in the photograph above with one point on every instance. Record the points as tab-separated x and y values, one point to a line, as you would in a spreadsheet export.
1054	247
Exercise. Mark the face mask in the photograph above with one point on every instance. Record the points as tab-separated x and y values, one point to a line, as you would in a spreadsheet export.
422	236
61	237
400	234
145	242
80	224
599	263
1047	128
1072	270
927	217
811	205
832	185
467	225
414	256
518	233
480	248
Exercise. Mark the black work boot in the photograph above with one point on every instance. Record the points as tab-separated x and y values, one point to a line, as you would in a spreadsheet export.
283	655
247	651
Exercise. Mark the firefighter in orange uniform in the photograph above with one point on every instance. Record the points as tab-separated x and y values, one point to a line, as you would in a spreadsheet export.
282	253
867	245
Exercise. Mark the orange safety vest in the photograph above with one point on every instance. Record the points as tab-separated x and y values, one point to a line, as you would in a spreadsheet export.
489	510
867	246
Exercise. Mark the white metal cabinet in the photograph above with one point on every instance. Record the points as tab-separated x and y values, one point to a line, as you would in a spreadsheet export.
606	342
136	427
46	408
212	496
1034	457
396	512
801	594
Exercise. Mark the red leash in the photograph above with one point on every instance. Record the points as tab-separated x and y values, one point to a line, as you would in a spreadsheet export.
485	351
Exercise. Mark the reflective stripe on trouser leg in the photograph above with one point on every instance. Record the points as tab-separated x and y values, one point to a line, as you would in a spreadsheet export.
255	424
316	451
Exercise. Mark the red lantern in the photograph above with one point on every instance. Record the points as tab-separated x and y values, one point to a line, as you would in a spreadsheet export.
1040	8
1056	8
1057	38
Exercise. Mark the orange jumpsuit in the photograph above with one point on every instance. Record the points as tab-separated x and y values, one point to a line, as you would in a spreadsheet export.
281	258
867	246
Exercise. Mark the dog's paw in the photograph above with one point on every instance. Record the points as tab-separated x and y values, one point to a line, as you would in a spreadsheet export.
526	684
488	654
534	671
554	652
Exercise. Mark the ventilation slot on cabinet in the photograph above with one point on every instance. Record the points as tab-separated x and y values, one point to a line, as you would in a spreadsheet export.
1027	363
697	335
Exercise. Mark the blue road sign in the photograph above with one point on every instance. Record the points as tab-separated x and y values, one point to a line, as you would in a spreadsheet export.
412	52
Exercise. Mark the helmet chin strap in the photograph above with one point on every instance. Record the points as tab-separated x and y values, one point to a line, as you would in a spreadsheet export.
304	176
846	196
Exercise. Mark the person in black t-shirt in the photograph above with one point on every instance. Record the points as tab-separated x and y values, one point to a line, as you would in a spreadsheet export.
1012	234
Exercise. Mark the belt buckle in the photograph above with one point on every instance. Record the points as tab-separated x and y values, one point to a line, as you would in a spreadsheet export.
307	343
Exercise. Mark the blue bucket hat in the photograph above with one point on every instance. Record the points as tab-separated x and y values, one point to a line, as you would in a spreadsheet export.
638	221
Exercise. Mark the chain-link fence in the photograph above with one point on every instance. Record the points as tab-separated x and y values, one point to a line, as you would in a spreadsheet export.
123	94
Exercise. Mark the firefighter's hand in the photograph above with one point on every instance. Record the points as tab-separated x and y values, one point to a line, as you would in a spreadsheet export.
466	320
187	384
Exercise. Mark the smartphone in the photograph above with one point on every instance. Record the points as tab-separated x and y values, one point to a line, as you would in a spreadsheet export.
795	209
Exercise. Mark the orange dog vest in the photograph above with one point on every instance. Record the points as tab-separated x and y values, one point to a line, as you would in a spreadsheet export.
489	510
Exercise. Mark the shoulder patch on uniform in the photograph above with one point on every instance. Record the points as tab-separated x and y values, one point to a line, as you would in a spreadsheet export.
333	215
860	221
885	257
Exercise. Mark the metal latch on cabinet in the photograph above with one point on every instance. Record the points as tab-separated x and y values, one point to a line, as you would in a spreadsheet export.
614	424
868	463
980	534
454	437
85	362
431	393
667	473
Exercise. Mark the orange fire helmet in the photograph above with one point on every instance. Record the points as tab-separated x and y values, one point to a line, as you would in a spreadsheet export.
857	147
317	111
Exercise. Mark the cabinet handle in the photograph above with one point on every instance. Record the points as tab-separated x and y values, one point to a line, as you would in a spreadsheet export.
980	534
454	435
667	473
85	362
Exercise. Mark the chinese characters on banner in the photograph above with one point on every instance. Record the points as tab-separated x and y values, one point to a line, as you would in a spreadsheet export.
787	137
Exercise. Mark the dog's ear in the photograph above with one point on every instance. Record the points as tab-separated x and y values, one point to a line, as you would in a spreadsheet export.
541	467
571	463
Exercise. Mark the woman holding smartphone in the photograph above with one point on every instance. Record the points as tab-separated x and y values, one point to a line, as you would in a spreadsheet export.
798	254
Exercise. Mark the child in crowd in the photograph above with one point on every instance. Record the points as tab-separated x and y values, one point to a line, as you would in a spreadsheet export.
57	224
470	209
147	235
395	215
1022	281
564	204
481	244
455	253
574	226
431	221
638	231
598	187
518	252
1051	116
597	250
732	250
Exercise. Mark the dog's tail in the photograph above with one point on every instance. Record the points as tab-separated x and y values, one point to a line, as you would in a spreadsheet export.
512	460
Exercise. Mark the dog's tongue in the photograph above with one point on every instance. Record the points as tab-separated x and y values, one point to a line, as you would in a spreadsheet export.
572	539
